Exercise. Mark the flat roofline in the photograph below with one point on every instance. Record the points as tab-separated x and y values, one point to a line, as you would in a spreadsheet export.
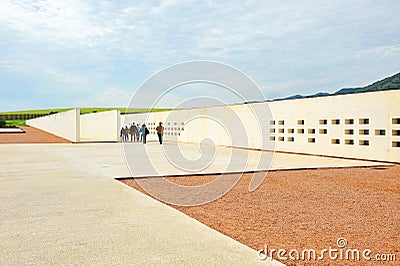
266	101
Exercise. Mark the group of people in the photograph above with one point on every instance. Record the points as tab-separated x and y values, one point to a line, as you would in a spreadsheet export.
139	133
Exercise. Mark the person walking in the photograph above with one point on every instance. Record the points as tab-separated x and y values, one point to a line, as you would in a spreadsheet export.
133	131
144	132
160	132
126	135
122	134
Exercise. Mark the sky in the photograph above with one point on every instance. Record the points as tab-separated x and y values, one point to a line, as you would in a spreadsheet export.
98	53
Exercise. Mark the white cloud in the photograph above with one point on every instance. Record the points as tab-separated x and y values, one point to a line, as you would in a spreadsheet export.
54	21
106	97
163	5
64	76
286	46
384	51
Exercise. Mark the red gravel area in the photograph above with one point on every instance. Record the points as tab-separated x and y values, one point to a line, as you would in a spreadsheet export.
31	135
309	209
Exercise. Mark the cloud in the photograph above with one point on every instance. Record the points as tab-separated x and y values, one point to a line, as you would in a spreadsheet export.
287	47
107	97
54	21
384	51
64	76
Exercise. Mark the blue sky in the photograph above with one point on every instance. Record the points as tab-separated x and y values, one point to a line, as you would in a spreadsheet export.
97	53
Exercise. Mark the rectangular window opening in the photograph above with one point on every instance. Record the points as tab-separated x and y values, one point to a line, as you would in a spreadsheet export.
323	131
380	132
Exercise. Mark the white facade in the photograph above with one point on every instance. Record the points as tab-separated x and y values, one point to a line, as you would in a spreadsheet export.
362	126
65	125
102	126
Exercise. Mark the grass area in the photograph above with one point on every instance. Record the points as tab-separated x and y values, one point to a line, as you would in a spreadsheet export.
25	114
44	111
87	110
123	110
15	123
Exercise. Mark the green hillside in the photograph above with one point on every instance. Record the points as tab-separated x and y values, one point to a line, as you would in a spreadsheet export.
389	83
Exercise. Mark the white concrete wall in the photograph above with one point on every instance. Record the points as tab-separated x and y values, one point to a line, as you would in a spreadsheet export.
65	124
233	125
101	126
236	125
379	107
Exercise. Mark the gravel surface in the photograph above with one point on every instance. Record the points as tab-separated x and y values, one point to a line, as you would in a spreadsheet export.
308	209
31	135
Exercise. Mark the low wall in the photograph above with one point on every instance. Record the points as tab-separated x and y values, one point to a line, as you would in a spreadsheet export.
65	125
234	125
102	126
362	125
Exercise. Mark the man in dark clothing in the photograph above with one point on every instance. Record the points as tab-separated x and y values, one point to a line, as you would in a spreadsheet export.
133	131
160	132
144	131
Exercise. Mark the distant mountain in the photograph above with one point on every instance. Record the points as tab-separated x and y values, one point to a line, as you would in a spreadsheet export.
319	94
297	96
389	83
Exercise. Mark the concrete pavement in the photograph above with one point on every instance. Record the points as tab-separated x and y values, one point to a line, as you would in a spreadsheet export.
60	204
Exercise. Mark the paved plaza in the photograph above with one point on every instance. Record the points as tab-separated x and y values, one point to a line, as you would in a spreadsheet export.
61	204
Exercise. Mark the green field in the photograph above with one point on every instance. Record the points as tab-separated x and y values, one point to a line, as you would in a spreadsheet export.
15	123
18	121
87	110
